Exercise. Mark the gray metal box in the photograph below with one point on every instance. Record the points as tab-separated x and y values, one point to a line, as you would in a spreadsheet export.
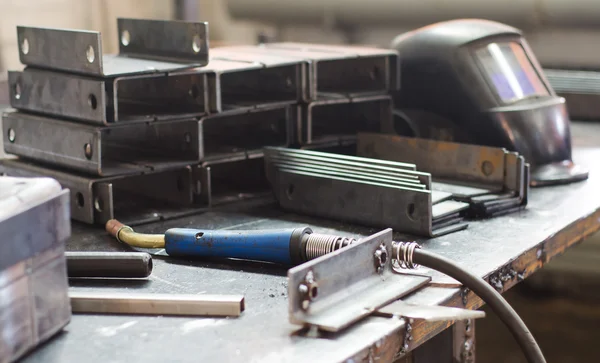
34	300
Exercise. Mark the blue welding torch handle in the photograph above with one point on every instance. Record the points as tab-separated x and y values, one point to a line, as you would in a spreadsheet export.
284	246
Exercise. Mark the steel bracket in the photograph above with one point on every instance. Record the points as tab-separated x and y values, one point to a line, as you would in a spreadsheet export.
145	46
338	289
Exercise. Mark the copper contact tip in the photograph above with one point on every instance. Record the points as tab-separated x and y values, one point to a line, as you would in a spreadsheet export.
113	227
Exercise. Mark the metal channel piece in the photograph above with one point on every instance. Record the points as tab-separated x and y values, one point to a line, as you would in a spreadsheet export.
339	69
97	200
267	79
479	165
334	118
86	302
102	151
109	100
230	179
338	289
80	51
245	130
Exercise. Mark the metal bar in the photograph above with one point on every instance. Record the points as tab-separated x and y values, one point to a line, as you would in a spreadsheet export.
103	151
130	198
431	313
156	304
340	118
340	288
109	264
178	41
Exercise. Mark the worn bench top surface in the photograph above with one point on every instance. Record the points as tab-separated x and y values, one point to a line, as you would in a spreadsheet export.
556	218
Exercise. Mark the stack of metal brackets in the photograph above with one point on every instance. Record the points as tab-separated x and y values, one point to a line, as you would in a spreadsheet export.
347	88
581	90
34	301
492	180
359	190
136	135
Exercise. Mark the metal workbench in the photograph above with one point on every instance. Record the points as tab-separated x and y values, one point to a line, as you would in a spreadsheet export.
505	249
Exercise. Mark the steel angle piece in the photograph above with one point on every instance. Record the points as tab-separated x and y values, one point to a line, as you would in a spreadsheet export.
146	46
102	151
245	131
344	69
338	289
366	203
474	164
339	118
127	197
339	147
230	179
428	312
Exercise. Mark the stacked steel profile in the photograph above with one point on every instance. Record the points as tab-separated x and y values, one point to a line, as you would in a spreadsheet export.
162	129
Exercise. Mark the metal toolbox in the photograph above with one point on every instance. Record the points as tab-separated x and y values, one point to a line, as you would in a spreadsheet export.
34	301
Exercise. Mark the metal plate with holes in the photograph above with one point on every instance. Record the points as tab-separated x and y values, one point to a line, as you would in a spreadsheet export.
340	288
338	69
106	101
370	192
103	151
80	51
132	198
175	41
340	118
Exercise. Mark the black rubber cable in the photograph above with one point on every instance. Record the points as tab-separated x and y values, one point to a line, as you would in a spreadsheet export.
496	302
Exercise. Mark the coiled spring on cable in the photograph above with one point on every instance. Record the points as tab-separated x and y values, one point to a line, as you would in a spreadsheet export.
318	245
403	253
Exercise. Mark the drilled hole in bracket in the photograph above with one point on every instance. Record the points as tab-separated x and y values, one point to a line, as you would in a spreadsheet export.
125	38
